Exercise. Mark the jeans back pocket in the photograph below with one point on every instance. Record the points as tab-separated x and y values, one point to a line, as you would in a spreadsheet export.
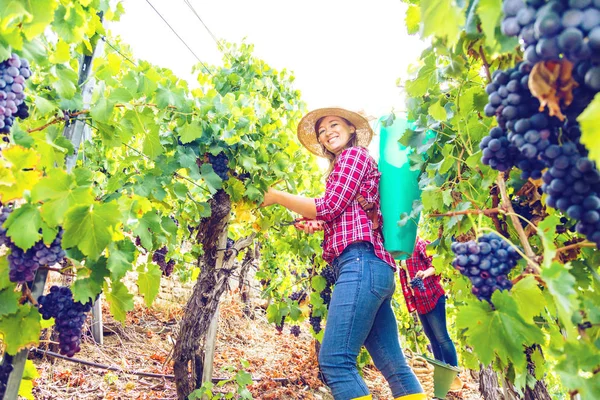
382	279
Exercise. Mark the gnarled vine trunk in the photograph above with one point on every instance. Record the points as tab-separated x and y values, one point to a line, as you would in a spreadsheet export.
216	266
488	383
539	391
201	306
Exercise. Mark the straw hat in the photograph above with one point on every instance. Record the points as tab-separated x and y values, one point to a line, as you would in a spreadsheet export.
308	135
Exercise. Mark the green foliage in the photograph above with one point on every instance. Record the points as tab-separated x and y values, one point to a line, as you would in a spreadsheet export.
144	172
240	379
446	96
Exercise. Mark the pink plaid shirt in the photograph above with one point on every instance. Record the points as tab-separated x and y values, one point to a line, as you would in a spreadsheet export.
345	220
426	300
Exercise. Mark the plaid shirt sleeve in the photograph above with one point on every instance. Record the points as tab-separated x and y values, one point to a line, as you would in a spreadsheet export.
343	183
409	297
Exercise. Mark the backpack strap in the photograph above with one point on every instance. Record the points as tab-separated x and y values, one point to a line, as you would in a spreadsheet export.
369	209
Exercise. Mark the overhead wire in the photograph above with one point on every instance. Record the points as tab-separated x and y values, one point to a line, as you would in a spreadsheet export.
117	50
179	37
212	35
187	2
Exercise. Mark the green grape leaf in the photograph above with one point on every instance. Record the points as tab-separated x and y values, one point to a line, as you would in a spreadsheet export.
120	95
413	19
318	283
120	259
90	280
43	105
529	297
211	178
152	146
510	331
276	311
61	54
23	226
41	15
4	270
561	285
490	12
590	130
58	192
437	112
190	132
66	83
90	227
102	110
119	299
149	225
9	301
20	329
442	18
149	282
547	231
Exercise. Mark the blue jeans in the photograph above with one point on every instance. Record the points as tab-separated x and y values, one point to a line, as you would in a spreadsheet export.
434	325
360	313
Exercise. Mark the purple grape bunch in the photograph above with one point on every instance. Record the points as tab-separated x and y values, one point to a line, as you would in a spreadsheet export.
13	73
487	263
219	164
523	133
572	184
69	316
159	257
23	264
418	284
548	30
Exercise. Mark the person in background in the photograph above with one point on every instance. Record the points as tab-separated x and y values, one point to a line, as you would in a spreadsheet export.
423	292
360	311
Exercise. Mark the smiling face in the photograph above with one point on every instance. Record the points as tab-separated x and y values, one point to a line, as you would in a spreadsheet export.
334	133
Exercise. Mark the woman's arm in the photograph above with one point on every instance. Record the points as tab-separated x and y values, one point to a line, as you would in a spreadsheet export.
299	204
425	273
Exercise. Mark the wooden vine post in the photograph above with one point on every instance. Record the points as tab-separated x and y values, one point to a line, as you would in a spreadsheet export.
77	131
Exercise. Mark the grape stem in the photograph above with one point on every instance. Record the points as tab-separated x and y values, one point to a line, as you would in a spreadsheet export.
507	205
486	65
59	270
27	295
575	246
60	119
525	275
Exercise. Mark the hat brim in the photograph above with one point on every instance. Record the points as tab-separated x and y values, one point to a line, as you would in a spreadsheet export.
308	136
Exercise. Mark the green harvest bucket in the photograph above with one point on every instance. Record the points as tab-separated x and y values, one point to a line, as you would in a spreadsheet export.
443	376
399	188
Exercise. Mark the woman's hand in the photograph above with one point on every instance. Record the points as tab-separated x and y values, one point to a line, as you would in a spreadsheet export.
425	274
270	198
310	226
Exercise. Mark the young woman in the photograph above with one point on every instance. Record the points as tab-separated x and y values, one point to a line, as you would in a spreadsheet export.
429	303
360	311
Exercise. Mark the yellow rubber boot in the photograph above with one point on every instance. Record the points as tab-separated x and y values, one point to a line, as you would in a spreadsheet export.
416	396
367	397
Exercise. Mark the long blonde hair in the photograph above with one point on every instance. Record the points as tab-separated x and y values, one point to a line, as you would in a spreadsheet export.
329	155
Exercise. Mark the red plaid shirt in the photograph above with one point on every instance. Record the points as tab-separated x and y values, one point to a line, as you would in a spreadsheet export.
345	220
426	300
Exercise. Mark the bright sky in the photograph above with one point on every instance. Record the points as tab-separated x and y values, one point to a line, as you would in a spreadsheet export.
346	53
